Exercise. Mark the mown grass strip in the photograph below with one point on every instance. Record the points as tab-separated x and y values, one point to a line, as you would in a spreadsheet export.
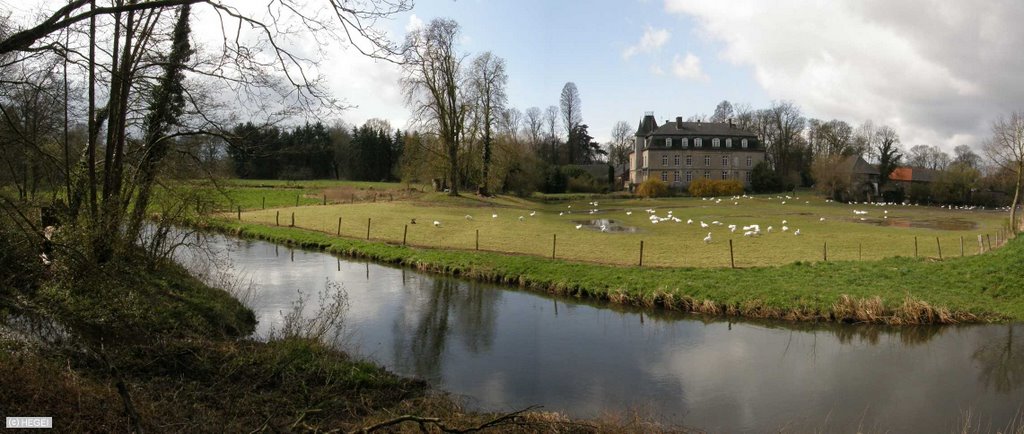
981	288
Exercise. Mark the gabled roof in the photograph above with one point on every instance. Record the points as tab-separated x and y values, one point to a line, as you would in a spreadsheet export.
855	165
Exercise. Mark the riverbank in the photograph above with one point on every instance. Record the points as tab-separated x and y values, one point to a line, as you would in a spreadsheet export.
129	348
896	291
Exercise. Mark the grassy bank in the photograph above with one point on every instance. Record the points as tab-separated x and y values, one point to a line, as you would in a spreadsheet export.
897	290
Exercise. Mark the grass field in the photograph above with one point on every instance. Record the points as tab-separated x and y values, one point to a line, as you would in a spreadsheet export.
871	274
884	231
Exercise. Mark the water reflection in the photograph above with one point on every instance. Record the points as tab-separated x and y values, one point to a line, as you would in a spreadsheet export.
508	349
448	309
1002	361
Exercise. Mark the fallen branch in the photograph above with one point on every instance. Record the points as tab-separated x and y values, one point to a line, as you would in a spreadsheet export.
437	422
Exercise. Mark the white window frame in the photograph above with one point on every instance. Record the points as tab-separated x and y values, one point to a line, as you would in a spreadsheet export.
675	160
689	161
664	160
668	142
728	143
725	161
716	142
686	142
707	161
749	161
725	174
743	143
689	176
698	142
676	176
664	176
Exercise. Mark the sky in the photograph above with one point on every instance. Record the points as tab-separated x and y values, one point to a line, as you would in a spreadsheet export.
937	71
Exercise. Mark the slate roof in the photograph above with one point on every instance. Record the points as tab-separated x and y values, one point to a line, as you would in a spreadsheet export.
705	129
855	165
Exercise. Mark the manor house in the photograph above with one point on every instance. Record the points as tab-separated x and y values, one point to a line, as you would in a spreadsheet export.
679	152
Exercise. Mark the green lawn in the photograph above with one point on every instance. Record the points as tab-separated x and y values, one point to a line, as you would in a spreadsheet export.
884	231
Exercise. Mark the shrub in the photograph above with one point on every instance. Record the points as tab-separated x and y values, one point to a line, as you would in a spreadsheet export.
763	179
703	187
652	188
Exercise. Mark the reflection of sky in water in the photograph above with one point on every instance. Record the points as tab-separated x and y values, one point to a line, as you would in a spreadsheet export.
509	349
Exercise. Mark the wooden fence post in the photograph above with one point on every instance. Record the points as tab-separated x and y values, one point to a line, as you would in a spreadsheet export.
915	246
368	228
554	242
641	253
339	226
939	246
277	218
989	239
478	239
961	246
293	219
860	251
325	199
824	251
264	206
239	213
296	200
404	233
732	259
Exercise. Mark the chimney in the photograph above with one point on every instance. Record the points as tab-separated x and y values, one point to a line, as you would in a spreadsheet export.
679	122
730	123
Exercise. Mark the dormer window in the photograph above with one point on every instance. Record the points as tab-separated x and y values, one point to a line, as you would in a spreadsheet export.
728	143
686	142
698	142
668	142
743	143
715	142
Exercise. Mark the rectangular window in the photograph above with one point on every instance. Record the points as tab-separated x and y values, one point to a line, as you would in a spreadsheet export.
743	143
725	174
675	160
668	142
698	142
645	160
676	176
725	161
664	160
747	176
749	160
664	176
689	176
707	174
707	161
689	160
686	142
715	142
728	143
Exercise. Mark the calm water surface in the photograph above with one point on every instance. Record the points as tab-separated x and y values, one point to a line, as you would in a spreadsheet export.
504	349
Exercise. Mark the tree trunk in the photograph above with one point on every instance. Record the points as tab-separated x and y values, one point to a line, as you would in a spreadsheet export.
1015	225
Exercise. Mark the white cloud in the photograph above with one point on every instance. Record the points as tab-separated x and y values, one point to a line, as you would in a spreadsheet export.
415	23
936	71
652	40
688	68
656	70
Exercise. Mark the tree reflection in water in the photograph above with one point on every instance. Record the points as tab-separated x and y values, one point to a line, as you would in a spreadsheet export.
1002	361
437	308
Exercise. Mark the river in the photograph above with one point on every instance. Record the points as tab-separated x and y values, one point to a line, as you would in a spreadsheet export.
504	349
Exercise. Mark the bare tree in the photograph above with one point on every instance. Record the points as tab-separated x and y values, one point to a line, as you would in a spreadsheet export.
433	86
551	121
147	90
534	124
571	117
622	136
1006	150
965	156
487	80
723	112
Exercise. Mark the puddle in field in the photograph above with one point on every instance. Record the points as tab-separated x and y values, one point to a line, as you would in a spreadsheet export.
952	224
609	225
